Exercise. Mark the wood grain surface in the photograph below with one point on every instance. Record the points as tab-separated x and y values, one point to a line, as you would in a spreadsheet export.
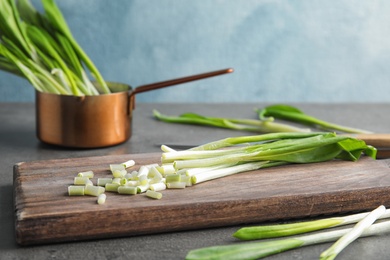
44	213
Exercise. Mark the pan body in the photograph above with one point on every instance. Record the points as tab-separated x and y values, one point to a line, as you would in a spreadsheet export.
87	121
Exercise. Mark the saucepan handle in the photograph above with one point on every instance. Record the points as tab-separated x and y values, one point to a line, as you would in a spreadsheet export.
173	82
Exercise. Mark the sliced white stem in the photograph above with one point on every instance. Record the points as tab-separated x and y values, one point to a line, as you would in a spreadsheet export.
209	162
194	171
188	154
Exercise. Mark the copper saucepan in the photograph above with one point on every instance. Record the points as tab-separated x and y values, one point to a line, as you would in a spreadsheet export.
94	121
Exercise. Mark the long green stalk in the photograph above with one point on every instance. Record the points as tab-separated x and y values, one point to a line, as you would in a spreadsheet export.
282	230
229	123
293	114
55	16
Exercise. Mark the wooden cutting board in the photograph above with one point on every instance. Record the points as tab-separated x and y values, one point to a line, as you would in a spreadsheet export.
46	214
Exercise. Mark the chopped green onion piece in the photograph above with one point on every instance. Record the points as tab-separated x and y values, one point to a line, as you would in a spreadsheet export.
153	172
132	183
176	185
118	170
112	187
129	163
172	178
166	169
117	180
153	194
101	199
76	190
143	188
143	180
88	174
187	180
157	186
103	181
123	181
143	170
80	180
119	173
93	190
127	190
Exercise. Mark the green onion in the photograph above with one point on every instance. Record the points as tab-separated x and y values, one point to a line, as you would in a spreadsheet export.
117	180
281	230
353	234
153	194
112	187
101	199
93	190
129	163
128	190
118	170
81	180
103	181
176	185
256	250
293	114
88	174
157	186
75	190
142	188
41	48
280	148
250	125
172	178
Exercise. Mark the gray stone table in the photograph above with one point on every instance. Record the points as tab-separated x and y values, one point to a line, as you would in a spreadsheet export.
19	143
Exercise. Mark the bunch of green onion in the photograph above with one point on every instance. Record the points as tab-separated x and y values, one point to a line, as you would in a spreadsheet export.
238	154
41	48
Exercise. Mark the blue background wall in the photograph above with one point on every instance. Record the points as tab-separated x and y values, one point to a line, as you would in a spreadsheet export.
282	51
